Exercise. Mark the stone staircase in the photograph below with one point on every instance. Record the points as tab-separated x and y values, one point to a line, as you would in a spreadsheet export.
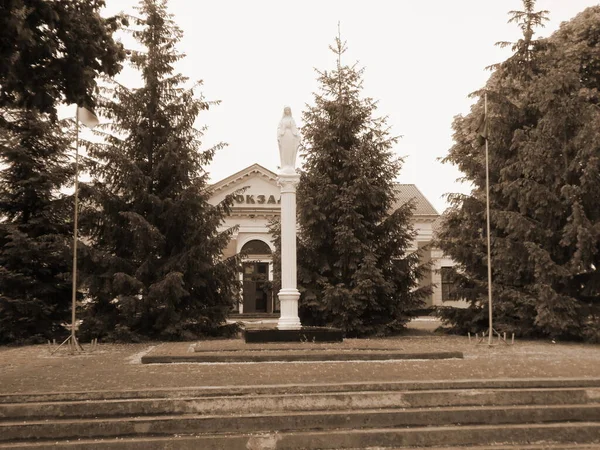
492	414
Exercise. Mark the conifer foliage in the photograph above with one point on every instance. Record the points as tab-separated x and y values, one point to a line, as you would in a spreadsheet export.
35	231
53	50
544	140
355	268
274	227
156	267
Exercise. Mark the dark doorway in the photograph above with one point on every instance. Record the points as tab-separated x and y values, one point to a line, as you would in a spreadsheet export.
256	287
257	295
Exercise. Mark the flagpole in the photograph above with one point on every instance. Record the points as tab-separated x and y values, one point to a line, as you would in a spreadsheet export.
487	200
90	120
74	293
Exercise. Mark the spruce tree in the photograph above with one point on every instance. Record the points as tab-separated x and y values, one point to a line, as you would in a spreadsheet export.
463	232
157	268
543	136
35	231
564	243
355	268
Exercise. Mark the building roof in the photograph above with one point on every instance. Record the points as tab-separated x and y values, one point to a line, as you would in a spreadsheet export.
244	173
407	192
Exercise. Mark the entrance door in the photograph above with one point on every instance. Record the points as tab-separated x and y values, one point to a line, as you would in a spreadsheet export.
256	291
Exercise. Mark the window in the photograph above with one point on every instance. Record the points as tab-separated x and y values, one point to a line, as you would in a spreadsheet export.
256	247
449	286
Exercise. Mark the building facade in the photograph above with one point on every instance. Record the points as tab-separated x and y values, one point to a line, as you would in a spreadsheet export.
257	201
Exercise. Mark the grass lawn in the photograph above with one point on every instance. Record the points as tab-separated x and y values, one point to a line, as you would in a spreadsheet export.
117	366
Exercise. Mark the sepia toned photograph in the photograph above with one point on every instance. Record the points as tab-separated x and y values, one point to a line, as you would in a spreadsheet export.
335	224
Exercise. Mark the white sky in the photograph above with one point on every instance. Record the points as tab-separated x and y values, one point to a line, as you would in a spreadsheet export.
421	60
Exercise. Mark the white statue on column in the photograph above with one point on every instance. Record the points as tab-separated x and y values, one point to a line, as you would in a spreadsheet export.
288	139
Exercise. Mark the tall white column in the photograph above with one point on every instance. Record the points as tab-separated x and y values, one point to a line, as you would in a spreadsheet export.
288	295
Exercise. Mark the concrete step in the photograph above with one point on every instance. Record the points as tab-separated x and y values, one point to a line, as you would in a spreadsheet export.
259	315
528	436
265	403
561	412
216	391
298	421
156	357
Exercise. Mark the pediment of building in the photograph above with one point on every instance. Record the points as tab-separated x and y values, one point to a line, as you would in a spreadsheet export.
254	188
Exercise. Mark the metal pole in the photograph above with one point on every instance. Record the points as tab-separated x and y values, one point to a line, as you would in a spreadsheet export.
487	199
74	294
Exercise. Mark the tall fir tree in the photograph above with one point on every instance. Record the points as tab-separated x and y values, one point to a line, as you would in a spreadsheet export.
542	142
35	231
356	271
157	268
462	235
50	51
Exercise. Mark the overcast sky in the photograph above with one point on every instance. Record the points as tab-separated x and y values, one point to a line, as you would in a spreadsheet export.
421	60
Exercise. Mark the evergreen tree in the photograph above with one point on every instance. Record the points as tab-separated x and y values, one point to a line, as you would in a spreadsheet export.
355	268
52	51
463	232
522	64
35	231
543	138
157	267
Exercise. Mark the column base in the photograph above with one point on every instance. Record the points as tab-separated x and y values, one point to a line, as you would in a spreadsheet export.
289	320
303	335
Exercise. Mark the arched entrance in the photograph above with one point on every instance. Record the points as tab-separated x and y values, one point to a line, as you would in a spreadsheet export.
257	288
